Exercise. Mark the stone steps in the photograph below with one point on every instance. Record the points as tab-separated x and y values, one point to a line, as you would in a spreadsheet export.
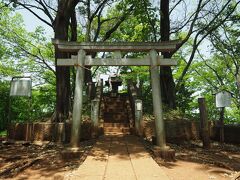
115	115
116	128
118	125
114	110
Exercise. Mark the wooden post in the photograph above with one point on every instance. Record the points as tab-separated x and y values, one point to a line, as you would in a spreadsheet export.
157	101
9	117
78	100
138	116
221	130
204	123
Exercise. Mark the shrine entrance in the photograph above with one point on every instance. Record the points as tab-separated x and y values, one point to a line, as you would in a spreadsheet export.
153	60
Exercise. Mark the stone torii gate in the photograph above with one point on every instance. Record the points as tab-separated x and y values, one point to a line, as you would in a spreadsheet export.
153	60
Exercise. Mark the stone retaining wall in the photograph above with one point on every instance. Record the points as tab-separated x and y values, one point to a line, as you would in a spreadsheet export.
177	131
43	131
231	133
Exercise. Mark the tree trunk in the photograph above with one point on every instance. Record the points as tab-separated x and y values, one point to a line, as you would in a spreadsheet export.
167	87
61	26
88	75
62	83
166	77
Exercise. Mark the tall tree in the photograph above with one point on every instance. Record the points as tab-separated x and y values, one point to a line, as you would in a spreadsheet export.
206	17
23	52
65	19
166	78
60	16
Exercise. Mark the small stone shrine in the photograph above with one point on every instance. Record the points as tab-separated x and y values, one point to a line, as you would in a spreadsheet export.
113	83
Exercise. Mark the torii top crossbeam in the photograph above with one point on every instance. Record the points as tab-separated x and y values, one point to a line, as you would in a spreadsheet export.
164	46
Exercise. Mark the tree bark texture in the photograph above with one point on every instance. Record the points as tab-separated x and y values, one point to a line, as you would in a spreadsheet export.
61	26
204	123
166	77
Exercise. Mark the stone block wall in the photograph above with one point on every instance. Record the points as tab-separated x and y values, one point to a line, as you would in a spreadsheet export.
43	131
231	133
177	131
181	130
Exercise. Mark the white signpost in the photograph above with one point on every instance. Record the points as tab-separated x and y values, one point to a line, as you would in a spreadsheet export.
20	86
223	99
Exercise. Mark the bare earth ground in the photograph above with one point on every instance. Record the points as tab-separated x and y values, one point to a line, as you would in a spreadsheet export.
193	162
47	161
39	161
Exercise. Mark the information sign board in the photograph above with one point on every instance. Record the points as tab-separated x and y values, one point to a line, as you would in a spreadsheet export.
21	87
223	99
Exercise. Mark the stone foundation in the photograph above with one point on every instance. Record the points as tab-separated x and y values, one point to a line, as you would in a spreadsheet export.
43	131
177	131
167	154
231	133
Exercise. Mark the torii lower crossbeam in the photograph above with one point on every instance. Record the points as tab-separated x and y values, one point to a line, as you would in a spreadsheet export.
146	61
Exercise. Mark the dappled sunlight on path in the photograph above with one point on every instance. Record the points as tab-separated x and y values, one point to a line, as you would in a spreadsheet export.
118	157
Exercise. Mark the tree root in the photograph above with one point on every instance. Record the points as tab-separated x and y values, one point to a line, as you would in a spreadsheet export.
16	167
236	176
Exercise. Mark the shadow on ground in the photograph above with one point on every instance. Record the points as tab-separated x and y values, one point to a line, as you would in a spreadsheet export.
46	160
51	161
226	156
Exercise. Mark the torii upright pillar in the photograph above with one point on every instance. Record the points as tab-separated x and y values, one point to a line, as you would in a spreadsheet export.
157	100
78	99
